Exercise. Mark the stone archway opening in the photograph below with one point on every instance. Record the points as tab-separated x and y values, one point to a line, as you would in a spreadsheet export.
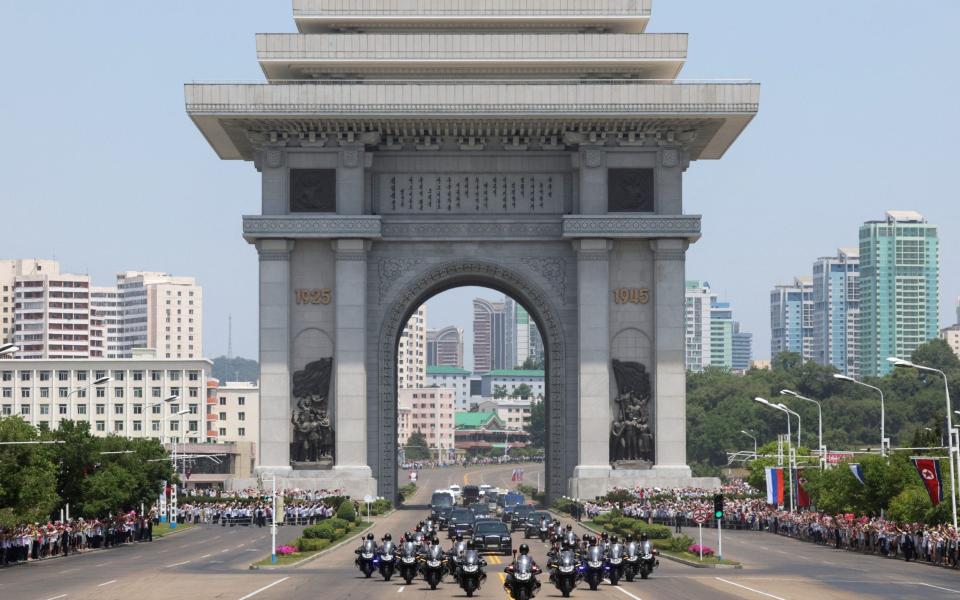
490	437
470	380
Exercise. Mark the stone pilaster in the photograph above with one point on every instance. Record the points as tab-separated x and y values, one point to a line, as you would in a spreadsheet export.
670	377
593	180
350	374
350	180
593	293
274	447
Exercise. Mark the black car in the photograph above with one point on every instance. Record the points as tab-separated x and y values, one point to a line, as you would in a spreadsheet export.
461	522
531	526
471	494
438	501
442	517
518	516
492	536
481	511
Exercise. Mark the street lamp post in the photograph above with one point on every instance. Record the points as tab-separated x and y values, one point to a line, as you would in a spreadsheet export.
822	449
883	434
898	362
790	465
754	438
797	415
100	381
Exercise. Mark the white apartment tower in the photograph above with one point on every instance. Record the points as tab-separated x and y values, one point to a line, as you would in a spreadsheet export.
9	271
106	323
163	312
412	352
836	309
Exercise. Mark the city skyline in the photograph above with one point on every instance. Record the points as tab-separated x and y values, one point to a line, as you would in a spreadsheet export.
178	185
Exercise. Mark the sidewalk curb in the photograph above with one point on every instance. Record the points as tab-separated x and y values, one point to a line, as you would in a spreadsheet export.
353	537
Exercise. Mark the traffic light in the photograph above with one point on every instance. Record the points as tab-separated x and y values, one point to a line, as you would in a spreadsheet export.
718	506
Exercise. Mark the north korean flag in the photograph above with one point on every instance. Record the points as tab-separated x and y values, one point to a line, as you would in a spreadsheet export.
803	497
929	470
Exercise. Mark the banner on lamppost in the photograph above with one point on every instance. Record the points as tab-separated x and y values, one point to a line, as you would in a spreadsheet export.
929	470
173	505
162	504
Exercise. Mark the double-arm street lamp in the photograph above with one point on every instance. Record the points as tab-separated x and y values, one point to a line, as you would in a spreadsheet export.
883	434
98	382
786	411
822	449
899	362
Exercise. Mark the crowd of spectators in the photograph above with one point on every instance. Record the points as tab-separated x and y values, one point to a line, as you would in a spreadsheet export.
745	509
469	462
37	541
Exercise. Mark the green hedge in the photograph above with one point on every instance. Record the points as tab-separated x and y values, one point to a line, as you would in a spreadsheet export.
614	522
305	544
347	512
407	491
380	506
324	530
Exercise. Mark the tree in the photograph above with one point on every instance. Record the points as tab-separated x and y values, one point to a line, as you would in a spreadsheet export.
537	426
532	363
522	391
28	475
235	369
417	447
499	391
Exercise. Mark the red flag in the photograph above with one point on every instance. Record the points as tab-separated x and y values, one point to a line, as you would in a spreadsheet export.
803	497
929	470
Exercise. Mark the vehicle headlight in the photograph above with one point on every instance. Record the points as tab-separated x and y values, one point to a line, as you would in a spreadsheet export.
469	568
616	561
433	563
367	555
409	559
594	563
522	576
387	557
647	556
566	569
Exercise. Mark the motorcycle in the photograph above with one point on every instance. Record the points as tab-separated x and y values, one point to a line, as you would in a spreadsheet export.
523	584
432	566
631	561
387	560
453	559
592	568
470	573
565	573
408	562
366	561
615	563
648	559
544	531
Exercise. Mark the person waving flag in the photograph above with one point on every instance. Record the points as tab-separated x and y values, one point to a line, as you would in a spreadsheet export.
929	470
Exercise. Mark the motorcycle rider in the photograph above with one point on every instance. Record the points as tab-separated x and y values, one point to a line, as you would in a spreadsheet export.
524	551
455	554
369	538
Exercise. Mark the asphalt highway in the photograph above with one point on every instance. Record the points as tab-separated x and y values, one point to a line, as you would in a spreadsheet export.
212	562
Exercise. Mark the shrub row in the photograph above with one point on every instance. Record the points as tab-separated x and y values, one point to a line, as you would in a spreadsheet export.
407	491
613	522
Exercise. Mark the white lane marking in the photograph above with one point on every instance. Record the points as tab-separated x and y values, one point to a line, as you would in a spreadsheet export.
177	564
266	587
215	562
750	589
55	597
938	587
102	564
205	555
628	593
216	538
69	570
135	556
167	550
401	589
107	582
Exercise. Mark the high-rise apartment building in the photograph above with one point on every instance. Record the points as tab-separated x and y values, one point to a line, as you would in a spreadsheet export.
836	310
163	312
710	330
445	347
529	344
9	271
490	344
51	315
697	327
106	323
412	351
899	289
742	349
791	318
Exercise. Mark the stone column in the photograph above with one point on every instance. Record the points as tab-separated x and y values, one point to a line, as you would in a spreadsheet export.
274	447
669	348
593	293
350	372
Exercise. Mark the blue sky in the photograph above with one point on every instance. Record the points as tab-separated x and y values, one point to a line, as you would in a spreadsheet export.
858	116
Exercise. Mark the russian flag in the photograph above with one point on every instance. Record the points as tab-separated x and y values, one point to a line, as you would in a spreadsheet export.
774	486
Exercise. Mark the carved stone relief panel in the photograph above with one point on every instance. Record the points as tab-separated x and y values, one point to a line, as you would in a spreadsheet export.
313	190
630	190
